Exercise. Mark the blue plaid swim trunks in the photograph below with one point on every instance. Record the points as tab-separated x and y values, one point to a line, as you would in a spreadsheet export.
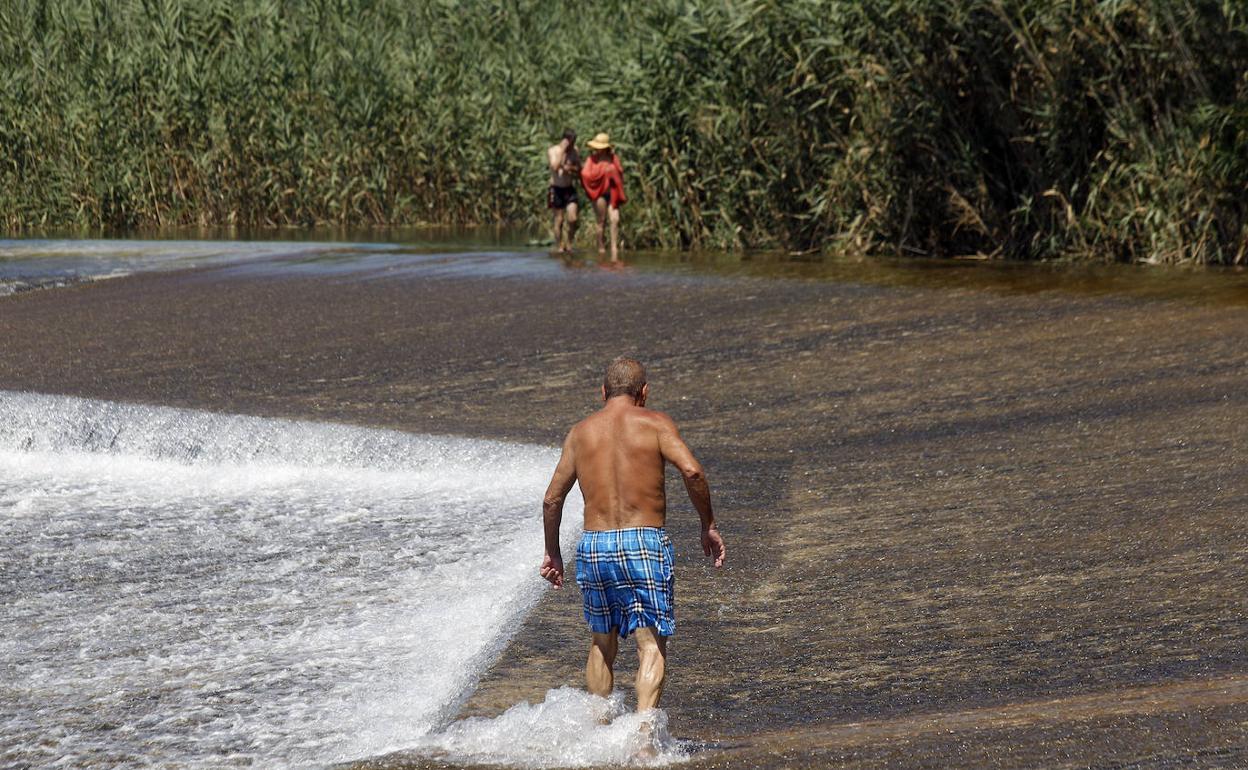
626	580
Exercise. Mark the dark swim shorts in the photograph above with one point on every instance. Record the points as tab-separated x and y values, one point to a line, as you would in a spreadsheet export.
561	197
626	580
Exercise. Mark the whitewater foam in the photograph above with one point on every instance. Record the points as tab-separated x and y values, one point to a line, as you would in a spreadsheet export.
565	730
180	588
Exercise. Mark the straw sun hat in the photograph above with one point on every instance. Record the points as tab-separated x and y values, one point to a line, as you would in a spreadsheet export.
600	142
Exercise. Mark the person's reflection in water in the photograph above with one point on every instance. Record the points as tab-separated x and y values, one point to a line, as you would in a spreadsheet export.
584	263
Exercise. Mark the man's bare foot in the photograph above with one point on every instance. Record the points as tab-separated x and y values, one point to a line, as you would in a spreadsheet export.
645	734
605	715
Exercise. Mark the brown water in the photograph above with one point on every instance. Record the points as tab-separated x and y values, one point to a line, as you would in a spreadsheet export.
979	514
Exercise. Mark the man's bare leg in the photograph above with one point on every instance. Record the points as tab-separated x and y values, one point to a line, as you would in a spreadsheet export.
570	218
599	672
558	229
614	215
651	667
651	676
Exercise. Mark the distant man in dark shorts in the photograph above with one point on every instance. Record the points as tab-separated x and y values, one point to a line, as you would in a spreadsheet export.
624	560
561	198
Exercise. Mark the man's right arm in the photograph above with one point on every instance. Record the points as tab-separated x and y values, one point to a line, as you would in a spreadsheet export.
554	158
676	452
552	512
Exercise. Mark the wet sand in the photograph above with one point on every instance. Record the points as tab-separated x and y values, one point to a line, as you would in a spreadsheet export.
967	526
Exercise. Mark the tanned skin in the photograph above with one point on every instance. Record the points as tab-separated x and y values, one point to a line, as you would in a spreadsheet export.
618	455
608	216
564	168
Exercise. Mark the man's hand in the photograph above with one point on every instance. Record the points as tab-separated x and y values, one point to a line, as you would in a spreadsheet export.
713	545
552	568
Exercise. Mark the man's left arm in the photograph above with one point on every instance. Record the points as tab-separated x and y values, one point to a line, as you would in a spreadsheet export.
552	513
676	452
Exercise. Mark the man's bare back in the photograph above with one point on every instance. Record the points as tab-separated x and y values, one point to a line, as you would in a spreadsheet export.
618	460
624	560
618	454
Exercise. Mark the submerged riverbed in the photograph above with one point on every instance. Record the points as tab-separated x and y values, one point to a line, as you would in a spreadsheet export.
978	515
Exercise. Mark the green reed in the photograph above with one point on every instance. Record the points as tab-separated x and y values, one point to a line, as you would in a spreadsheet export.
1115	129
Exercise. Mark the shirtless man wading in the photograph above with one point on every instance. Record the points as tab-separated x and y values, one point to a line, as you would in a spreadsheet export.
561	199
624	560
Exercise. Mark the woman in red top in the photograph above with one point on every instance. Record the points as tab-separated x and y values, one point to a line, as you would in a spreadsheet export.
603	179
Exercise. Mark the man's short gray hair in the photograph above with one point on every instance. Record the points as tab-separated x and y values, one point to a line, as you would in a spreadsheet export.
625	377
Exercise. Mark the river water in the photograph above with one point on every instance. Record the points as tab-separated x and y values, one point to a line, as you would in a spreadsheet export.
273	504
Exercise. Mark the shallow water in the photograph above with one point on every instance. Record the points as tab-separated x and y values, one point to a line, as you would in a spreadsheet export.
37	264
27	264
189	589
979	515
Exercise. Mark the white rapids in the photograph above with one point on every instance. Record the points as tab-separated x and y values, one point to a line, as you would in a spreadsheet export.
194	590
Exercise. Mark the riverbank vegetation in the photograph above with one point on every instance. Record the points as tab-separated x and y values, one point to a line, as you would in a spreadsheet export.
1115	129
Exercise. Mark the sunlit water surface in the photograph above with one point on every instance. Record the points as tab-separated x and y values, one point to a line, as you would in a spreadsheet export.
27	264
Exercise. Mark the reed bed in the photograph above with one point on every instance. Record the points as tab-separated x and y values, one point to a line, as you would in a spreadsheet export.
1115	129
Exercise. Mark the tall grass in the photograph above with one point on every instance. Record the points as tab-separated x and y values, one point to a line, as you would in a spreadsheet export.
1115	129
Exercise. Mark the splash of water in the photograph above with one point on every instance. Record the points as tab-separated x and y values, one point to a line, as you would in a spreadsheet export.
192	589
565	730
